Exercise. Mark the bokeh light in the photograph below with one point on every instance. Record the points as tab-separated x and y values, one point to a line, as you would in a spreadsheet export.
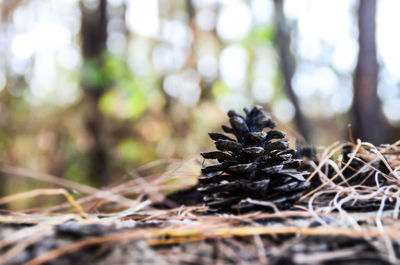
166	65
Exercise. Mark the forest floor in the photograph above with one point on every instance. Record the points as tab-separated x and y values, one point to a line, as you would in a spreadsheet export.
155	218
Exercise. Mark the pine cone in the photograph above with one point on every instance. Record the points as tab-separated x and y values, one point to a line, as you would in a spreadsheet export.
361	171
256	165
308	155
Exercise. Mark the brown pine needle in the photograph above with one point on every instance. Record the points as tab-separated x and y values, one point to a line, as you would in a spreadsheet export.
337	174
152	234
39	192
191	224
26	173
321	164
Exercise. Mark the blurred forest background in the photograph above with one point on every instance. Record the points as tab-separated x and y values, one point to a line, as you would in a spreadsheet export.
90	89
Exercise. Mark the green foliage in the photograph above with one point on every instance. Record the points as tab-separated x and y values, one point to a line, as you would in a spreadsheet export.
4	141
125	98
19	106
133	151
77	170
92	76
118	104
220	89
261	35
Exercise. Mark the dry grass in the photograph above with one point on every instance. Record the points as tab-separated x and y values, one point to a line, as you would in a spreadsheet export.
318	213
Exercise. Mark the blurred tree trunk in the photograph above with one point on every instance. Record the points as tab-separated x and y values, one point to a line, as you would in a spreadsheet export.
94	36
368	120
287	65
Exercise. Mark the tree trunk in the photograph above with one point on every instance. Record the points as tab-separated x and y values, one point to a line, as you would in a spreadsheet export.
94	36
368	120
287	65
94	30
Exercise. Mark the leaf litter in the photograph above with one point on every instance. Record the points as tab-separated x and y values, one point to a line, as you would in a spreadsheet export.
351	216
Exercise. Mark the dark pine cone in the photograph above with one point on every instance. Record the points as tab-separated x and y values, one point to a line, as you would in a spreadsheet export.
359	172
256	165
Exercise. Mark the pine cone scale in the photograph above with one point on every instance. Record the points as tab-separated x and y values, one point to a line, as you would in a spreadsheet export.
242	168
227	145
216	178
220	156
